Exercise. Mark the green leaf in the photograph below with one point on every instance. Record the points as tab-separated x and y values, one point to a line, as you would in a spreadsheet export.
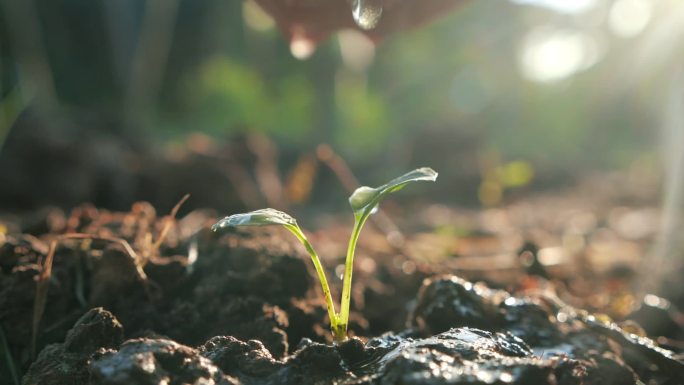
263	217
266	217
365	198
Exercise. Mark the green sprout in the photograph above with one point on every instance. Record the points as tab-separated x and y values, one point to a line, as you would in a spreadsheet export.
364	202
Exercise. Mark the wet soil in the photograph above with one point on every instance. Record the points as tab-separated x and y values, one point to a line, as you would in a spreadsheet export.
244	308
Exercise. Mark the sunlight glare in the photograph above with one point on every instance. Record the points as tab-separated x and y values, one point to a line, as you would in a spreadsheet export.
564	6
549	55
356	49
628	18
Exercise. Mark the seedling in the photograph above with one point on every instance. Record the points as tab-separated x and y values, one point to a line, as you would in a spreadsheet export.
364	202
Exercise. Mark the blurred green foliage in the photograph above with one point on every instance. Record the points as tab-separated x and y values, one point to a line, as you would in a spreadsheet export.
461	74
226	95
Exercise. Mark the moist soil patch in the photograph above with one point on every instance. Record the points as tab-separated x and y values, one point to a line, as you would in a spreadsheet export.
244	308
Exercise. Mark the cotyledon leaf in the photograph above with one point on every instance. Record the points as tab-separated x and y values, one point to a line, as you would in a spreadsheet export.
364	198
267	217
263	217
363	202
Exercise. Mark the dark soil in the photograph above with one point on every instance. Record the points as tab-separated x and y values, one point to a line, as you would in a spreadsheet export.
244	308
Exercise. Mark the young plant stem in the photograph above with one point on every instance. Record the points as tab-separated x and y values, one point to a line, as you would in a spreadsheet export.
334	321
348	270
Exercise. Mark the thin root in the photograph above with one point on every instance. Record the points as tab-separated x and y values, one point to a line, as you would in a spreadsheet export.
168	222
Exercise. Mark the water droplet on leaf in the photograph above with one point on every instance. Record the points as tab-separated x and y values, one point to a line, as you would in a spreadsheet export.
339	271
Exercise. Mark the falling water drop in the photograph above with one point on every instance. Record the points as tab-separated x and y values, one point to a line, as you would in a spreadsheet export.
366	13
301	47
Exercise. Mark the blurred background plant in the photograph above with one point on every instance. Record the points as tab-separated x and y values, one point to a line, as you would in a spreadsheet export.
497	94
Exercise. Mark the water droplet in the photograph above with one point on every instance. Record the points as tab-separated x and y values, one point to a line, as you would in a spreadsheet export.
562	317
339	271
367	13
302	48
408	267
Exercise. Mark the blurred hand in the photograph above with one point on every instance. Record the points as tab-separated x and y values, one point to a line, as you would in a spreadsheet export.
312	21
